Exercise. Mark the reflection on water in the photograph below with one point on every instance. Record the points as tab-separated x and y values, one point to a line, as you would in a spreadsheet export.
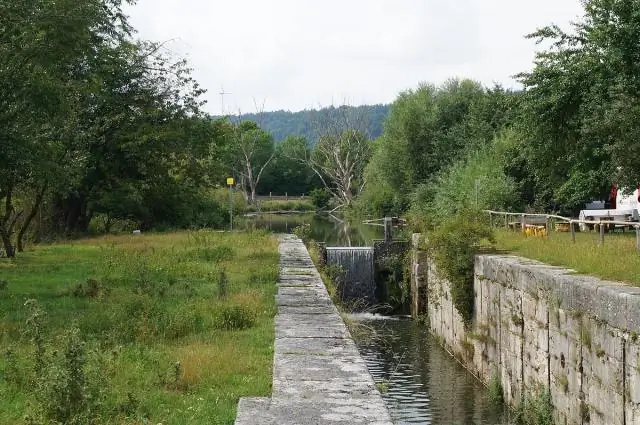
332	231
421	383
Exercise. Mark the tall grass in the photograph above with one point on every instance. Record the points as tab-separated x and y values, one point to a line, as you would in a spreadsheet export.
617	259
131	329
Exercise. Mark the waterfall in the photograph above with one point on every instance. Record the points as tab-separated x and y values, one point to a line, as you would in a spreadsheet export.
358	279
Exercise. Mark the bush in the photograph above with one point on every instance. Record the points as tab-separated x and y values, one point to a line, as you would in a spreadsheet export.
235	317
535	409
453	245
320	198
477	180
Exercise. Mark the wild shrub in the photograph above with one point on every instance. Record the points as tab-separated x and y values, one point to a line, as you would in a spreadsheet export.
320	198
222	283
495	392
303	232
215	254
453	246
535	409
235	317
91	288
4	285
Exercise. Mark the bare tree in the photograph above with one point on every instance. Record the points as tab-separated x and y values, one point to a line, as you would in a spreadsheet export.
251	151
341	152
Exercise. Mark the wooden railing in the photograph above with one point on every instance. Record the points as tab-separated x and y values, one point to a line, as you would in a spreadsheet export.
527	219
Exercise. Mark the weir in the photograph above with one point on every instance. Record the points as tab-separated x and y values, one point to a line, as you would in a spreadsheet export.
358	272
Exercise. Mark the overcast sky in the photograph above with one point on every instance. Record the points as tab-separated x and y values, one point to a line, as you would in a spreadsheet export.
302	54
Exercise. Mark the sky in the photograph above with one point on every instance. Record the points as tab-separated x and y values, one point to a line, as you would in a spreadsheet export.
293	55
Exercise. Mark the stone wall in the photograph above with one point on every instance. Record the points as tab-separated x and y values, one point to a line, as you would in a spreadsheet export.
540	327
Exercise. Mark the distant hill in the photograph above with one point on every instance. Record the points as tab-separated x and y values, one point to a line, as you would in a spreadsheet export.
306	123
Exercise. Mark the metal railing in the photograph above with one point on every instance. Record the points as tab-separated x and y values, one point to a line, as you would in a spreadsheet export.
549	220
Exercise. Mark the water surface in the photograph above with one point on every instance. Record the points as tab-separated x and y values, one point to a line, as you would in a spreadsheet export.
420	382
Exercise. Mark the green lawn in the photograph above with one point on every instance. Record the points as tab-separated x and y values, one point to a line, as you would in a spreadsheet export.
137	329
617	259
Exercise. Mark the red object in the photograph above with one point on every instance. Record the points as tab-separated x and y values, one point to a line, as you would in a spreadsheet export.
613	195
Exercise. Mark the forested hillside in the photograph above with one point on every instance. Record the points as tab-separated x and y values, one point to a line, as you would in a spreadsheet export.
308	123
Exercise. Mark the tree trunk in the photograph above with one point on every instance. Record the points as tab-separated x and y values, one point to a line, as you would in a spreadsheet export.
30	217
9	250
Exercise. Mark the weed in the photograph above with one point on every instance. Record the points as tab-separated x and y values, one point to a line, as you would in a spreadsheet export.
535	409
495	392
91	288
383	386
223	283
453	246
4	285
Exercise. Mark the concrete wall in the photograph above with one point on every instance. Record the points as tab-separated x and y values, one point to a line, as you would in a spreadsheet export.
540	327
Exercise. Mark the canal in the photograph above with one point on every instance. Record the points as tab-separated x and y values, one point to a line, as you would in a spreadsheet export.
420	382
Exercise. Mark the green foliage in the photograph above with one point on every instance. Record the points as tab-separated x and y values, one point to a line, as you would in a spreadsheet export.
303	232
427	130
223	283
320	198
536	409
477	180
495	392
393	273
235	317
453	245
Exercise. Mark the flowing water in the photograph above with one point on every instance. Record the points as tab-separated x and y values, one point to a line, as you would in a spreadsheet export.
420	382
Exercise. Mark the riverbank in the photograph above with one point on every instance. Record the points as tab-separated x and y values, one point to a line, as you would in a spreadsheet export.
617	259
161	328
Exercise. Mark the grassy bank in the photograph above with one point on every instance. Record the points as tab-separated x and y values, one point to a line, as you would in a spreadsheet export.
276	205
617	259
165	328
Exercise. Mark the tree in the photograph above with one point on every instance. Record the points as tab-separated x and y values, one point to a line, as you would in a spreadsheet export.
580	106
285	174
42	46
246	153
341	153
427	130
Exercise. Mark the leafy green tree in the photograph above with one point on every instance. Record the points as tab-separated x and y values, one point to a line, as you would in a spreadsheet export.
427	130
43	46
580	106
287	175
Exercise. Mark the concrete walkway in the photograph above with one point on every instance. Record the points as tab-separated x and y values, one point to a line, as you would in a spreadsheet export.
319	377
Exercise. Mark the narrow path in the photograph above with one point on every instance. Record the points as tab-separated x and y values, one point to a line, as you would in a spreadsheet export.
319	377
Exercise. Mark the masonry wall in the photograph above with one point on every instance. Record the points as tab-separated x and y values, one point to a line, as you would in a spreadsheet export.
539	327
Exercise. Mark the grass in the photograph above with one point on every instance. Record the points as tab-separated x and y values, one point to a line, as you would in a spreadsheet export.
617	259
132	330
279	205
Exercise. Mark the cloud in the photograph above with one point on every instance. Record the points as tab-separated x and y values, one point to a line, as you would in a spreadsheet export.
308	53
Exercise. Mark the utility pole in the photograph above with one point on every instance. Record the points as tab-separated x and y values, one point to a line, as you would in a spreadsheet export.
222	94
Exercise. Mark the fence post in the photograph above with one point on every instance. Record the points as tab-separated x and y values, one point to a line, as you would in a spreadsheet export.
573	231
523	224
637	238
490	220
547	226
601	234
506	221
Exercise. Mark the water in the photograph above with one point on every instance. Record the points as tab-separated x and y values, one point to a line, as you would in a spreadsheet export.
421	383
332	231
357	262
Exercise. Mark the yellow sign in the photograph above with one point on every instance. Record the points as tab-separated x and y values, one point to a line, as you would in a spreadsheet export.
229	181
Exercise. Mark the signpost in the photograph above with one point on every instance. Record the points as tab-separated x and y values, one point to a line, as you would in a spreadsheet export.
230	184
